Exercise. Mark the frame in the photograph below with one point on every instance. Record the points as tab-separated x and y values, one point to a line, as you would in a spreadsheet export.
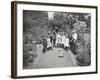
38	51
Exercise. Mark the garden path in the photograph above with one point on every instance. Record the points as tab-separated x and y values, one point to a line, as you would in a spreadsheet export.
53	59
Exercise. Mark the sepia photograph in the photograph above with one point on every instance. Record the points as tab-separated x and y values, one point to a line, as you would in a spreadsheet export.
53	39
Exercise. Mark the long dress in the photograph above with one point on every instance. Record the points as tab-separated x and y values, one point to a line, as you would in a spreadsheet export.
44	45
63	39
72	45
58	39
54	38
48	43
66	43
74	35
51	39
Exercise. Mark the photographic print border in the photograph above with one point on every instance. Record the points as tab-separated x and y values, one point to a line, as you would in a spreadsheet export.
14	38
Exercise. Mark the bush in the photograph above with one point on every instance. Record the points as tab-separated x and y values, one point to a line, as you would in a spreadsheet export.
29	54
83	56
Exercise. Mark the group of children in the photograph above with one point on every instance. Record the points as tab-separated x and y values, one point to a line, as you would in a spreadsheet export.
62	40
59	39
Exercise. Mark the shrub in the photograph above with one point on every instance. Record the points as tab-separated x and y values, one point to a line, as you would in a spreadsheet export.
83	56
29	54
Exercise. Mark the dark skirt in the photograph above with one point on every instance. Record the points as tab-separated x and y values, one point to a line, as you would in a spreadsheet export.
73	47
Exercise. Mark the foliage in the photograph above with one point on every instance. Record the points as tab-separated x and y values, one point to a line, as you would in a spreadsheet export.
83	49
69	21
35	23
80	26
29	54
83	56
34	26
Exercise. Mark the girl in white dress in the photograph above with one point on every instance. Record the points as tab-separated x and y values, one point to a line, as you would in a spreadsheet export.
58	40
66	44
63	40
49	45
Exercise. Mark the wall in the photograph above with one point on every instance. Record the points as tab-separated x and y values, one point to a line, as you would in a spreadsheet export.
5	40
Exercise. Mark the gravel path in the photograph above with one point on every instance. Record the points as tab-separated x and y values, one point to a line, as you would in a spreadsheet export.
54	58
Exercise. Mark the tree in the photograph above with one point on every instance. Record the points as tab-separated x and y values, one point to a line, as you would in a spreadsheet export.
35	22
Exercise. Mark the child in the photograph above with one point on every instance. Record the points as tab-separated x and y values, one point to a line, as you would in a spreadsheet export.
44	42
58	40
66	44
63	40
49	45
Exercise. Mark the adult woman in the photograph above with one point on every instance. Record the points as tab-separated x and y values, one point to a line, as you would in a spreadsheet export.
72	41
54	38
